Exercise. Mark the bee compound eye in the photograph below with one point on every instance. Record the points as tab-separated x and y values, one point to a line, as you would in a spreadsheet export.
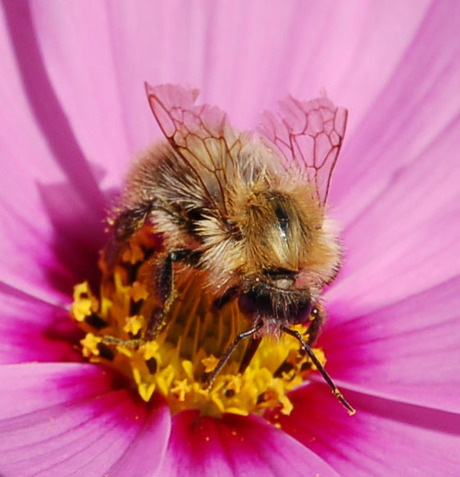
283	220
256	300
300	311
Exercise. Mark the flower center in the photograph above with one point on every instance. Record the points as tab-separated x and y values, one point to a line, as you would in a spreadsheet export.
185	350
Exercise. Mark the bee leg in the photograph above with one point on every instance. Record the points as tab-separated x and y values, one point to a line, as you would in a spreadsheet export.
249	353
112	341
227	297
163	286
320	368
131	220
316	321
226	356
125	224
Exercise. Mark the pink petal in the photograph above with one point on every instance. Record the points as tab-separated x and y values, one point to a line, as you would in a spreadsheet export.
33	387
50	203
33	330
99	57
382	438
407	351
406	241
302	52
46	253
68	419
396	184
76	52
39	137
235	446
417	106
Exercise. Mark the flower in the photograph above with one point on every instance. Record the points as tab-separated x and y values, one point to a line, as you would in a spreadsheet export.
73	114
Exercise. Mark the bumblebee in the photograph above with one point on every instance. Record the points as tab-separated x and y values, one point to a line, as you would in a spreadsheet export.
247	211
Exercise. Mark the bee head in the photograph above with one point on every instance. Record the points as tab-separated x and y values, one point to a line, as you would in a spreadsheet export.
275	235
284	228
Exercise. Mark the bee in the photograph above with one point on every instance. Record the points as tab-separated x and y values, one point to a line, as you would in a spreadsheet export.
245	210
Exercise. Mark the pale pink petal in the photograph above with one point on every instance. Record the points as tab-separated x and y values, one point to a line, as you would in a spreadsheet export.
396	185
349	49
99	57
235	446
67	419
407	351
415	261
33	330
203	45
406	240
417	107
382	438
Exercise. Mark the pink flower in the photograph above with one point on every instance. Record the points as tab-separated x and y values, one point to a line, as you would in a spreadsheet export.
73	114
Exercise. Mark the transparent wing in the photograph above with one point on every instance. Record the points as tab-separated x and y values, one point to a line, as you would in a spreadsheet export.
200	134
309	136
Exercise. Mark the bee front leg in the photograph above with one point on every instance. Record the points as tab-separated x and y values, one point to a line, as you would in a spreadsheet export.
316	321
229	351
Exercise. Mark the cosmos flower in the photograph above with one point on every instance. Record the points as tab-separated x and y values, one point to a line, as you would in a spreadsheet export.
74	113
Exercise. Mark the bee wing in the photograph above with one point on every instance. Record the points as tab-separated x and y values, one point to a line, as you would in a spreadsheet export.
200	134
309	136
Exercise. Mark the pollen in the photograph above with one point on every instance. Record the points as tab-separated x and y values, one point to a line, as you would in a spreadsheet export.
188	345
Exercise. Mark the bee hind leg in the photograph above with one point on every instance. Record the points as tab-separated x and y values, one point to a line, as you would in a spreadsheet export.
162	286
128	221
125	223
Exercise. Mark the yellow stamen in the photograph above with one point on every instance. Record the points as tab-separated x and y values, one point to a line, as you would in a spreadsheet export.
90	345
84	303
134	324
188	345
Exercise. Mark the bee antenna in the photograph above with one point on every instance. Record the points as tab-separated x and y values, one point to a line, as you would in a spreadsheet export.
320	368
